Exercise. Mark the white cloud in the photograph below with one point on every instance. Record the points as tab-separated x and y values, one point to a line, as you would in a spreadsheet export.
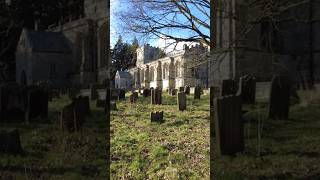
170	45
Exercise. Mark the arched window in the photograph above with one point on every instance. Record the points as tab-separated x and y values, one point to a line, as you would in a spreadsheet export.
165	72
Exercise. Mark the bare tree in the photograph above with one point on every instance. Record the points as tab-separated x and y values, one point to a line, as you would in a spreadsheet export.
163	18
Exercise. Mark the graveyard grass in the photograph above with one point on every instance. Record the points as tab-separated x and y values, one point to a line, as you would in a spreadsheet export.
177	148
277	149
51	154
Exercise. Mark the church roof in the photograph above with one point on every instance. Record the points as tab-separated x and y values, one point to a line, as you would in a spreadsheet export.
124	74
42	41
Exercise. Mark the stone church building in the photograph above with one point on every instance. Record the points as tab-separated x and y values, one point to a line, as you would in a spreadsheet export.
83	33
247	41
176	70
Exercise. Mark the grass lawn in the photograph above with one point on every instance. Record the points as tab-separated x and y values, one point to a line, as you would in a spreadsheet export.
177	148
52	154
277	149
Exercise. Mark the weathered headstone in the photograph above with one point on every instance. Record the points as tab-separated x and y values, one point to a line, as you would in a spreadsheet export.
10	142
187	90
157	116
279	97
156	96
134	97
72	118
182	101
197	92
146	93
37	103
228	87
228	124
248	89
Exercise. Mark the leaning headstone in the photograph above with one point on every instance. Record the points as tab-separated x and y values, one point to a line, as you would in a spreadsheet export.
157	116
248	89
122	94
182	101
37	103
228	125
113	106
146	93
10	142
279	97
228	87
187	90
197	92
134	97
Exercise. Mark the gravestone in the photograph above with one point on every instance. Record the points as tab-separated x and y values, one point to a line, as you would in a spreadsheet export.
83	104
10	142
187	90
72	118
156	96
228	124
122	94
248	89
157	116
134	97
100	103
197	92
228	87
113	106
146	93
279	97
37	103
182	101
173	92
181	89
12	102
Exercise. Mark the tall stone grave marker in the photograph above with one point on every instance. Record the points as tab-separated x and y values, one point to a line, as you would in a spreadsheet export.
279	97
228	124
182	101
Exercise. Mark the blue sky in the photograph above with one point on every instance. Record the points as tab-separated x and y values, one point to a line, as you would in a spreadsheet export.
116	30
